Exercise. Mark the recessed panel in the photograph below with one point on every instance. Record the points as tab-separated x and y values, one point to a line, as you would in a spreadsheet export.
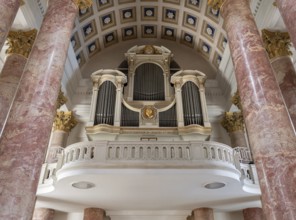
168	33
149	31
107	21
187	39
89	30
129	33
110	38
170	15
149	13
190	21
128	15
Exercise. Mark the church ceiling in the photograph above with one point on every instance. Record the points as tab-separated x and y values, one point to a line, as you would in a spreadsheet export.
188	22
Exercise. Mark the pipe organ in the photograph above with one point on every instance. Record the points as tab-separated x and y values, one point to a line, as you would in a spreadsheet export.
149	99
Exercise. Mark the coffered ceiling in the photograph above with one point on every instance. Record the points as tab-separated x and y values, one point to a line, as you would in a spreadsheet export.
188	22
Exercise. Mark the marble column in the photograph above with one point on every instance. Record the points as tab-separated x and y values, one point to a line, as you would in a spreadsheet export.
287	9
203	214
43	214
253	214
277	46
271	134
64	122
8	10
24	140
19	47
94	214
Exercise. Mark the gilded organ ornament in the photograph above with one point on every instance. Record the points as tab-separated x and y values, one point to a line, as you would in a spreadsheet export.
83	4
149	112
233	121
21	42
277	44
64	121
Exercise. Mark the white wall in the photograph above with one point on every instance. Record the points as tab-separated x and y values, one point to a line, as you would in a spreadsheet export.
228	215
157	215
68	216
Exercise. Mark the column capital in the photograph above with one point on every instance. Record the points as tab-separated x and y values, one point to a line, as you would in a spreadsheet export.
64	121
215	4
236	100
276	43
233	121
21	42
61	99
82	4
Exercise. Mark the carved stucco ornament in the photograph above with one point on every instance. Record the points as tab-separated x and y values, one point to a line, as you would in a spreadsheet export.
233	121
64	121
277	44
61	99
20	42
215	4
83	4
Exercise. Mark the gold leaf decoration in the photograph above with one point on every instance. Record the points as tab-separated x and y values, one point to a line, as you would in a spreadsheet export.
64	121
21	42
277	44
233	121
83	4
61	99
215	4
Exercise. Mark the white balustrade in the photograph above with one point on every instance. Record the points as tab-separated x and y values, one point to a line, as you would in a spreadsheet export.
244	154
154	154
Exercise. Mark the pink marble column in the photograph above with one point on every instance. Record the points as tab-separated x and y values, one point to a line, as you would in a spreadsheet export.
287	9
8	10
203	214
270	130
24	140
9	79
94	214
286	77
253	214
43	214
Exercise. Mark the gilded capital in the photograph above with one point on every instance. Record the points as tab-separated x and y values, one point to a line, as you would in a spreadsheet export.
61	99
64	121
83	4
233	121
215	4
277	44
21	42
236	100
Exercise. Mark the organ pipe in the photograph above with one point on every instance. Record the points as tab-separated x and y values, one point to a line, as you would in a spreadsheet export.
106	104
149	82
191	104
168	118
